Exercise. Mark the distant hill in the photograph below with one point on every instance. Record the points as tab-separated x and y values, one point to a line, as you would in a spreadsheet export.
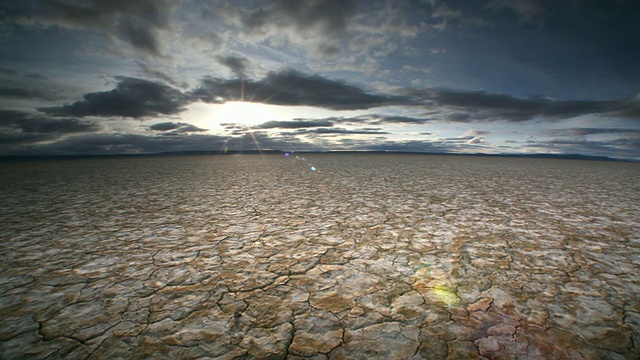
256	152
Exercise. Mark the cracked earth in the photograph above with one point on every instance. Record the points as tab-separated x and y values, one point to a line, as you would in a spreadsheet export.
371	256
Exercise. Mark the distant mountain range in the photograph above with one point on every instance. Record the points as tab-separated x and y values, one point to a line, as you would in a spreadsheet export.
256	152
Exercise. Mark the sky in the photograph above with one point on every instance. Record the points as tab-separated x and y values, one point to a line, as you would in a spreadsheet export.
437	76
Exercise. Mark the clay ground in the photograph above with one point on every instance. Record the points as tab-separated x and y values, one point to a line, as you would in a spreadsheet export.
256	257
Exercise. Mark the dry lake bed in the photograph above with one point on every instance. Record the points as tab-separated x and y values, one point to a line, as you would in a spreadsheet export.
321	256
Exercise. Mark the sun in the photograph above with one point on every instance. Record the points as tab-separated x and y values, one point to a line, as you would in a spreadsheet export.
247	113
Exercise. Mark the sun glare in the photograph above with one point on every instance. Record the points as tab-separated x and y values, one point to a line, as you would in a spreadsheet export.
247	113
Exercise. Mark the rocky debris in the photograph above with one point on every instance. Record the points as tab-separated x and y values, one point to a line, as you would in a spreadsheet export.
395	257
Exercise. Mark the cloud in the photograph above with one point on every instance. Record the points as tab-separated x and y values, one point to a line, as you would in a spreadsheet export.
293	88
8	117
137	23
476	140
109	143
12	121
157	74
526	10
177	127
135	98
589	131
297	124
8	141
476	133
58	126
395	119
624	148
17	93
19	131
627	108
468	106
8	72
236	63
341	131
314	26
30	86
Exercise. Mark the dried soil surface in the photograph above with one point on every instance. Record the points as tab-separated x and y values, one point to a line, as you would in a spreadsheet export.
368	256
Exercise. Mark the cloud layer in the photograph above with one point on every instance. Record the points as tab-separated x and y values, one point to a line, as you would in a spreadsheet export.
439	75
133	98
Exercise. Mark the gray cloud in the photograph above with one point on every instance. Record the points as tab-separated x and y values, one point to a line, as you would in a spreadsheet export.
138	143
293	88
624	148
385	119
297	124
16	85
157	74
471	106
59	126
140	35
341	131
589	131
236	63
476	132
137	23
20	131
476	140
526	10
629	108
8	72
8	141
132	97
17	93
12	121
318	24
8	117
138	98
177	127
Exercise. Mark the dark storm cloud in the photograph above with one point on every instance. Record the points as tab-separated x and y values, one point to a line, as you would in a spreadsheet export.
297	124
293	88
132	97
236	63
589	131
177	127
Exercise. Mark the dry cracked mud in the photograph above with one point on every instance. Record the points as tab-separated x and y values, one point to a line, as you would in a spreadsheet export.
257	257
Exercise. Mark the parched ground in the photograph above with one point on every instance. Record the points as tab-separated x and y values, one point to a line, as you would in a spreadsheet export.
258	257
